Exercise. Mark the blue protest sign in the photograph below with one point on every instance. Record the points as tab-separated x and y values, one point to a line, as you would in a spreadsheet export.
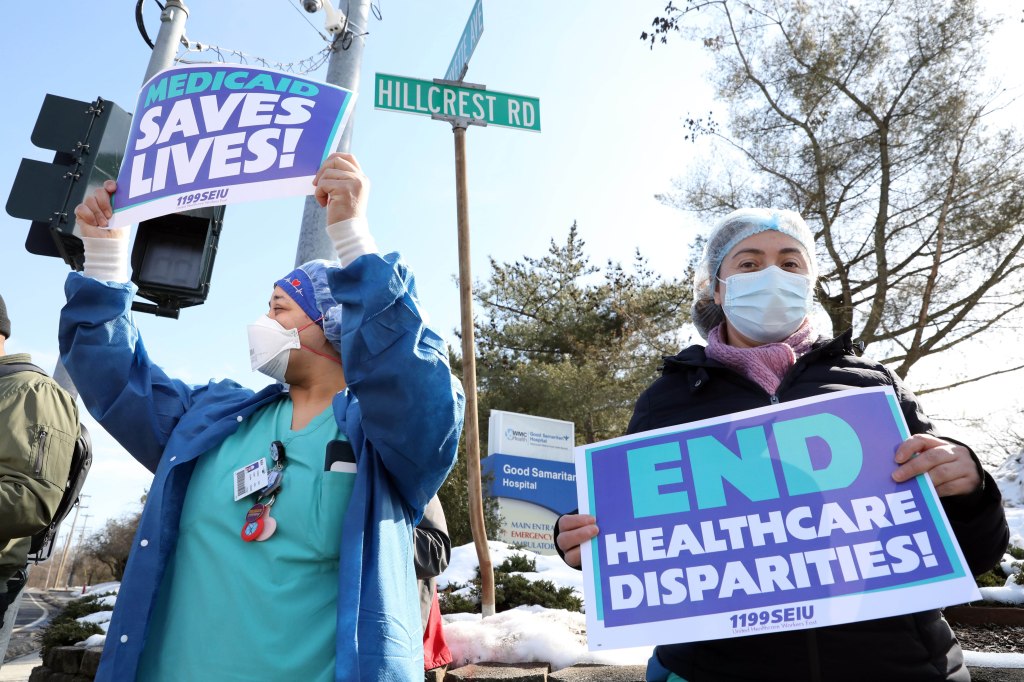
224	133
780	518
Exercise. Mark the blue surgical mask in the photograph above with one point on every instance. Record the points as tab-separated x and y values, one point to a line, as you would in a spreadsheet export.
768	305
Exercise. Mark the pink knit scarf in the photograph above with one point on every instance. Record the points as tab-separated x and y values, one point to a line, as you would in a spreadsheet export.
767	364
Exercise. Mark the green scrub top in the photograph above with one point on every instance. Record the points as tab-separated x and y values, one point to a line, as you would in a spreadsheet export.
234	610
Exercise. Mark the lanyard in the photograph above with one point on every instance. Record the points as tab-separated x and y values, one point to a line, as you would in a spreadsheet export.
259	525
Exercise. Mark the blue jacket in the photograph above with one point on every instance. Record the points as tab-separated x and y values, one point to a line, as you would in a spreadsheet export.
402	413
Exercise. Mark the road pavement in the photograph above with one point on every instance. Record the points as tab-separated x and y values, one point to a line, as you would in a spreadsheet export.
20	669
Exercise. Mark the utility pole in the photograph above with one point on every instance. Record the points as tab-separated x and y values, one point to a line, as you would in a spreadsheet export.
172	28
343	71
78	548
67	544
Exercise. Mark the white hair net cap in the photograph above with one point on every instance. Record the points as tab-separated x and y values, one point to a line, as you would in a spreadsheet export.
729	232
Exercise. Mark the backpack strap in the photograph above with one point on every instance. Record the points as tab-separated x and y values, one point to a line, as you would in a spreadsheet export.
9	368
81	460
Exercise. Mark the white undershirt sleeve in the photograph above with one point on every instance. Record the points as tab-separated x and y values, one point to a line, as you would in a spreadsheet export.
351	239
106	259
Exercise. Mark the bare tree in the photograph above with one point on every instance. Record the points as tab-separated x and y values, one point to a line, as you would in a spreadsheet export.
872	120
111	544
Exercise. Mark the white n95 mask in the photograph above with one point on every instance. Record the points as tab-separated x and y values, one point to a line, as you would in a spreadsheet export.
269	346
768	305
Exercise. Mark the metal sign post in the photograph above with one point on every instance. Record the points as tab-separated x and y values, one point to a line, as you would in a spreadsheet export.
462	105
475	502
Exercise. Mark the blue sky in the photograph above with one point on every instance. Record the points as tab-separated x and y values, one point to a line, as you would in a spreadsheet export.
611	137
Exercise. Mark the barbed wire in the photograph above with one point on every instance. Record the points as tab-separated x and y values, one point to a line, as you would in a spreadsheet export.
225	55
341	40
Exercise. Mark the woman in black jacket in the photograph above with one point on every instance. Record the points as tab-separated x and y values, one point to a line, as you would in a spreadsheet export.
752	296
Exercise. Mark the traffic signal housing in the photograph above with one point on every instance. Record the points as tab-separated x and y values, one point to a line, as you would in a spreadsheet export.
89	140
172	260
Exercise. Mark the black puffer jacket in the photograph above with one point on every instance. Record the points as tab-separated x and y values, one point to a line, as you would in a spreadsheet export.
917	646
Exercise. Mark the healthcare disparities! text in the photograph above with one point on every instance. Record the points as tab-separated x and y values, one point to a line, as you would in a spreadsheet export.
784	517
217	134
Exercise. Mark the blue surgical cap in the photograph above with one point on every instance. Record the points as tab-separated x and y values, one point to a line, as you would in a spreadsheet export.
308	286
733	229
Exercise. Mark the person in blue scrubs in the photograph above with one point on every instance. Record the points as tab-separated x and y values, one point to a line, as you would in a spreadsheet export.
276	542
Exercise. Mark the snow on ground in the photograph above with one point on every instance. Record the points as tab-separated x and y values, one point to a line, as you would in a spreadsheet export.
1010	478
991	659
529	634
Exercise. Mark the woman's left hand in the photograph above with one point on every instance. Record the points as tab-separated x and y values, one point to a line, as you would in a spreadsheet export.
342	188
950	466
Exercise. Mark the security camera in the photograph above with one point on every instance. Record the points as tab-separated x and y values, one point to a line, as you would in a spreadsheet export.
334	20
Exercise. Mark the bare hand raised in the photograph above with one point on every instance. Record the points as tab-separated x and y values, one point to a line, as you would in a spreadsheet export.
95	212
342	187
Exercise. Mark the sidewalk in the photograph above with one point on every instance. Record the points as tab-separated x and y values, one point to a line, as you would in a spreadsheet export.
19	669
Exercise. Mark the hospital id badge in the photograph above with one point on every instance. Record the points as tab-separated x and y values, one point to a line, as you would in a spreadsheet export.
251	478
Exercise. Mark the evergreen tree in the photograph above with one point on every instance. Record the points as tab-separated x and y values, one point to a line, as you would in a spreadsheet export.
564	339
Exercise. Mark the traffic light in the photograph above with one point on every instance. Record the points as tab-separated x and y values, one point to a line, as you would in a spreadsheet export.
172	259
89	140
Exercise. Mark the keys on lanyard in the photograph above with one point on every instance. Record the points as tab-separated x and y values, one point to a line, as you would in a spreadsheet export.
259	525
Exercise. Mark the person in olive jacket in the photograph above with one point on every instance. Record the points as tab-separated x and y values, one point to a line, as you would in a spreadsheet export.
752	298
37	439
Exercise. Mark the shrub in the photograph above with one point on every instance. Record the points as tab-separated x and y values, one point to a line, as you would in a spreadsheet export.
517	563
993	578
512	590
76	608
997	577
66	633
450	602
65	630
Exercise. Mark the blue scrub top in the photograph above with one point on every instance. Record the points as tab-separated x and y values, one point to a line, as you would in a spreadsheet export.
234	610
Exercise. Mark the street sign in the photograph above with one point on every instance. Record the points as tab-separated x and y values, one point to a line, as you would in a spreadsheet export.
467	43
442	99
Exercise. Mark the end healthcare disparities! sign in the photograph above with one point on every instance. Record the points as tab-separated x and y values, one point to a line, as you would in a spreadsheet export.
225	133
773	519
